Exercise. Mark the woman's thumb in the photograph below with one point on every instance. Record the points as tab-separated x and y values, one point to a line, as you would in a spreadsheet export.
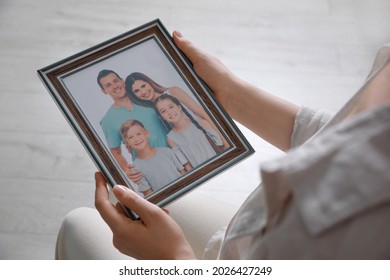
134	202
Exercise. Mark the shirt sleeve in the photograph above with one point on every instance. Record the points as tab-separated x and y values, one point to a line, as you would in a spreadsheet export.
307	123
179	155
214	136
175	160
143	185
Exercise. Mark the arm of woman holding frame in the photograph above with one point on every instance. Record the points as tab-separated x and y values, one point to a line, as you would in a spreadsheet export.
270	117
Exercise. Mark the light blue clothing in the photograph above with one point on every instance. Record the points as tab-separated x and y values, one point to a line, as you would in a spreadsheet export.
160	170
115	117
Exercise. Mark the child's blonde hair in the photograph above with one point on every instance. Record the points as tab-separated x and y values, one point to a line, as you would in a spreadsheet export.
127	125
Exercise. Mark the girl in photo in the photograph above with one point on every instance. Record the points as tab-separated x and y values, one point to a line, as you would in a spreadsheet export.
192	136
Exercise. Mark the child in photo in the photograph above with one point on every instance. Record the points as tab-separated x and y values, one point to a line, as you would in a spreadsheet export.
159	166
189	134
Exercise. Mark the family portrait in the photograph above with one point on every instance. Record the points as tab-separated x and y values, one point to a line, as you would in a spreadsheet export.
145	118
155	132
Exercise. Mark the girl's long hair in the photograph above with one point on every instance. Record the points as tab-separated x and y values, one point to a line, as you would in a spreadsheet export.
135	76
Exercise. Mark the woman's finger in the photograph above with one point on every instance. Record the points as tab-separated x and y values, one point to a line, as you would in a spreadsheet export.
186	46
102	203
145	209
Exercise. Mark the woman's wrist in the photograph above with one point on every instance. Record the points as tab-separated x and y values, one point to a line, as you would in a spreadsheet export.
226	92
233	95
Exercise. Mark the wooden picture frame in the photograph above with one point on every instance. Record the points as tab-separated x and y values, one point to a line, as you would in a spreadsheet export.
88	101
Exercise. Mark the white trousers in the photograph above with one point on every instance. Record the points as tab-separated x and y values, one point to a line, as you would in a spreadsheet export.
84	234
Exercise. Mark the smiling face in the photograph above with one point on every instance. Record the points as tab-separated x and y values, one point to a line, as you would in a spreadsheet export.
143	90
137	137
113	86
168	110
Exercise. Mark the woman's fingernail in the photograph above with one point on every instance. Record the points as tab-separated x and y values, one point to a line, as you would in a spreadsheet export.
120	188
178	33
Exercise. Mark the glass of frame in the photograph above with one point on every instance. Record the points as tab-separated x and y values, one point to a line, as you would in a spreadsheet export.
136	105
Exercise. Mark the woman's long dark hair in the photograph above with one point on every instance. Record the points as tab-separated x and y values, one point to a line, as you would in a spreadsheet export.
130	80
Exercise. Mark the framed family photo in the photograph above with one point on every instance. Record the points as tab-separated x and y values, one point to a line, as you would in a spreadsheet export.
145	118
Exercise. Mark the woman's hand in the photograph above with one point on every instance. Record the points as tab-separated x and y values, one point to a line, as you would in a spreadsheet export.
215	74
155	236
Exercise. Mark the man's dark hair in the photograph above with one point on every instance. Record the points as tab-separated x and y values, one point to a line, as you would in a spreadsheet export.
103	73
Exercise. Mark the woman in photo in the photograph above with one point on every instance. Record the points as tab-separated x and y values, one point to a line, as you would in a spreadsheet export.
190	135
